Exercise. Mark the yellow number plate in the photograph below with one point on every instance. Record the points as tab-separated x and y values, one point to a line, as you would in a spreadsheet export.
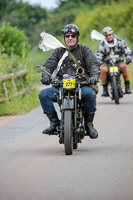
69	83
113	69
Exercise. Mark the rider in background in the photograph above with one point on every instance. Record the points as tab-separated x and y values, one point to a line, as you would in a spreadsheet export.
90	64
113	45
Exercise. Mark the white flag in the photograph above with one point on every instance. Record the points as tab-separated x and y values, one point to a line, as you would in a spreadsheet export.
49	42
96	35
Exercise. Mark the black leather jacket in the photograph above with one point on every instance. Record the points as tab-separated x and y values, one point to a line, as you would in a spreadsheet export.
83	55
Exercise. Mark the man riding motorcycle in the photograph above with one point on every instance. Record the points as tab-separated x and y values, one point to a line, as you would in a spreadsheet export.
90	64
113	45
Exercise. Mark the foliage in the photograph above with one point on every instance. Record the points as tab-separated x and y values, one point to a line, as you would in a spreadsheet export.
117	15
13	41
91	3
24	12
20	105
56	22
36	57
88	15
10	64
130	70
22	15
3	6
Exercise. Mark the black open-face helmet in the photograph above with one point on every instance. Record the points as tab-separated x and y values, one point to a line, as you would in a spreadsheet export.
71	28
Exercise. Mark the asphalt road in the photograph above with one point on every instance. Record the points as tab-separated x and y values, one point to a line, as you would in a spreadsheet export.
34	166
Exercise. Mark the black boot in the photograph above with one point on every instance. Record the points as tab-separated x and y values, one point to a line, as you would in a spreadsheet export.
105	91
127	87
54	122
91	131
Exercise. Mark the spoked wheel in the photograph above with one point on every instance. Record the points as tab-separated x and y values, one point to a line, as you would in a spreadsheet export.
68	132
115	90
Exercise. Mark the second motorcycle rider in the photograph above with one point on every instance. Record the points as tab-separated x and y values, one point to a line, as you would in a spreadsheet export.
91	66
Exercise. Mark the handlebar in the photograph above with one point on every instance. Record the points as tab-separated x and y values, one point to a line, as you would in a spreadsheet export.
40	69
60	83
56	81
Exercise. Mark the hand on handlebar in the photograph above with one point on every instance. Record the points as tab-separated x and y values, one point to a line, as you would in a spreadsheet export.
45	79
92	80
128	60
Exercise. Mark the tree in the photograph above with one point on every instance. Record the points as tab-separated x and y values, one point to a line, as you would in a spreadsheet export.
23	15
91	3
3	5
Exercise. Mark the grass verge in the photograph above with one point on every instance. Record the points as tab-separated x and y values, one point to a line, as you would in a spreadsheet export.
20	105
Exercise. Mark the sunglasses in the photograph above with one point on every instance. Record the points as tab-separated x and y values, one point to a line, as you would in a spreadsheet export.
68	36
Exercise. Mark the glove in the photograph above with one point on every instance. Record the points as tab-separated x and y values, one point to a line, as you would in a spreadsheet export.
92	80
45	79
128	60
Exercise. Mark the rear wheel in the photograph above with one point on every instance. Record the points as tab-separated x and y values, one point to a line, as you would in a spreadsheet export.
68	132
115	89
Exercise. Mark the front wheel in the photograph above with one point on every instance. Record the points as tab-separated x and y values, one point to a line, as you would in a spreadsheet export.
115	89
68	132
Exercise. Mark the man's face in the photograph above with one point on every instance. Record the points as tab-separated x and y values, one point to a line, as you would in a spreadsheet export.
110	37
71	40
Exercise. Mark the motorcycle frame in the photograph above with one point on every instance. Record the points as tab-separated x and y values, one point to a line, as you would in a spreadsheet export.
71	100
109	80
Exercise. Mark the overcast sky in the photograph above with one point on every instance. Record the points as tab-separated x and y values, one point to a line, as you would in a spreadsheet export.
48	4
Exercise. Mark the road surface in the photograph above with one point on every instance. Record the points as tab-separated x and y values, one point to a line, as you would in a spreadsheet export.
34	166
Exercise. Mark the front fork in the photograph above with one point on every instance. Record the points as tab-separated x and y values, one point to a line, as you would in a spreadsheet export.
118	83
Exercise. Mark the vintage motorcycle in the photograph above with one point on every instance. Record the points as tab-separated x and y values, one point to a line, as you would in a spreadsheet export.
114	81
71	130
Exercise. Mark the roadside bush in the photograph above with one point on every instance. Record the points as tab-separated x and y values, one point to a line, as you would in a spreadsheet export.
13	41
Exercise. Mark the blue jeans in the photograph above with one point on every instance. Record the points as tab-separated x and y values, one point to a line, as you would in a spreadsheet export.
88	97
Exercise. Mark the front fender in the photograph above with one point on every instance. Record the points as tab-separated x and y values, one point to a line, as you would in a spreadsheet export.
68	104
114	74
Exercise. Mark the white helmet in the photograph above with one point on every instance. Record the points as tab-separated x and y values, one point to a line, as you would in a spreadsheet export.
107	31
